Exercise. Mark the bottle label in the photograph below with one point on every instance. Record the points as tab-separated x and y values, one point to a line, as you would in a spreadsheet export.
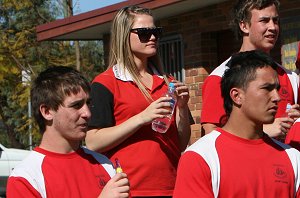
171	90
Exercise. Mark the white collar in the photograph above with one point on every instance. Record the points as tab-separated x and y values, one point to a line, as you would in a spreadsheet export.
124	75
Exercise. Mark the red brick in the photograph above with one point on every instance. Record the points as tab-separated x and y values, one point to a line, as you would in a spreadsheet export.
192	93
195	100
198	106
189	80
193	72
195	127
198	93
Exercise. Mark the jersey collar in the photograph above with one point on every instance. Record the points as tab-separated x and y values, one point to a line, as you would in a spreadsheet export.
123	74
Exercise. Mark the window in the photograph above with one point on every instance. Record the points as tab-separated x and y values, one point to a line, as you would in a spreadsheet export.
171	52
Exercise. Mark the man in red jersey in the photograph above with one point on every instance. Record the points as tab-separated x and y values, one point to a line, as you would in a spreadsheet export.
256	23
239	159
293	136
59	166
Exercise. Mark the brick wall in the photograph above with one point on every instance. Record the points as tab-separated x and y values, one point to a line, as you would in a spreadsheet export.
194	78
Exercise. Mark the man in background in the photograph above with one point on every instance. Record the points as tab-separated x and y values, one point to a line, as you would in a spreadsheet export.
256	23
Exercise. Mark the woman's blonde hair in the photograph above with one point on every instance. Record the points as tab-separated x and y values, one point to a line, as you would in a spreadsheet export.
120	50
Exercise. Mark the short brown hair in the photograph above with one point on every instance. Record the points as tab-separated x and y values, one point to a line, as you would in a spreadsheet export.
241	11
51	87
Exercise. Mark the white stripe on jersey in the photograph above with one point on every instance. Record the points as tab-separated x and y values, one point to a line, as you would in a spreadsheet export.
293	77
209	153
205	147
31	170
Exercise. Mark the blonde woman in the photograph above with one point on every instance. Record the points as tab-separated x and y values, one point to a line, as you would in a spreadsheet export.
126	98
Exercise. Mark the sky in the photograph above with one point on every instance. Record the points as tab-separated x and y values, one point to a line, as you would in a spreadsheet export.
88	5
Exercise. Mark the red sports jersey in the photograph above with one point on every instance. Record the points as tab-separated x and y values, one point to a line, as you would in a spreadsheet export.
83	173
148	158
223	165
213	109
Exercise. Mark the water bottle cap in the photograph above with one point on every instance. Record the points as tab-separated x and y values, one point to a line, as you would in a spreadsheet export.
171	85
288	106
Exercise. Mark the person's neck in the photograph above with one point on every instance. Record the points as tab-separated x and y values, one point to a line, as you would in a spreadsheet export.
247	130
52	142
141	64
247	46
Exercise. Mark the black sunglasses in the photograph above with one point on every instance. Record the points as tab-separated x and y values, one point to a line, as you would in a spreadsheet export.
146	33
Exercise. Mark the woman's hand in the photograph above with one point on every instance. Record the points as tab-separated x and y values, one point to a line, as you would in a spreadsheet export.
157	109
182	92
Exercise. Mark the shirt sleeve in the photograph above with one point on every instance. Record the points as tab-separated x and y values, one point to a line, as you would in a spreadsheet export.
193	177
212	106
293	136
20	187
298	98
102	107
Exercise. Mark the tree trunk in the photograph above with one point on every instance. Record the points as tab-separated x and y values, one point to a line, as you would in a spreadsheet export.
78	60
69	8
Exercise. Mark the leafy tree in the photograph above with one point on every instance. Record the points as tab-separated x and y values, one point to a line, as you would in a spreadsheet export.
22	58
92	58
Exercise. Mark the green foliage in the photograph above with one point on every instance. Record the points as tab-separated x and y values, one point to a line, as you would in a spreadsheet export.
92	58
20	52
18	48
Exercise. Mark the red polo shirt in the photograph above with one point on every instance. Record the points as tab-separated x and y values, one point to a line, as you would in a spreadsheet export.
149	158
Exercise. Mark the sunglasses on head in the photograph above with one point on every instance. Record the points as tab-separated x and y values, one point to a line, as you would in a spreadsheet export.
146	33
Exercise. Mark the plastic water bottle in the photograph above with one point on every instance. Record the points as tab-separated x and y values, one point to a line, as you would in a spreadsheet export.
161	125
287	109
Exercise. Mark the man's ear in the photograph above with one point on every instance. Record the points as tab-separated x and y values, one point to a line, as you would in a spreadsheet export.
244	26
236	95
46	112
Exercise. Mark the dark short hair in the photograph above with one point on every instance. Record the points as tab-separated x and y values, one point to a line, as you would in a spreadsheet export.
51	87
241	71
241	11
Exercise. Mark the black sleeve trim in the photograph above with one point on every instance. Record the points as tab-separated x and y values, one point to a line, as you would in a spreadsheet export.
102	107
191	119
